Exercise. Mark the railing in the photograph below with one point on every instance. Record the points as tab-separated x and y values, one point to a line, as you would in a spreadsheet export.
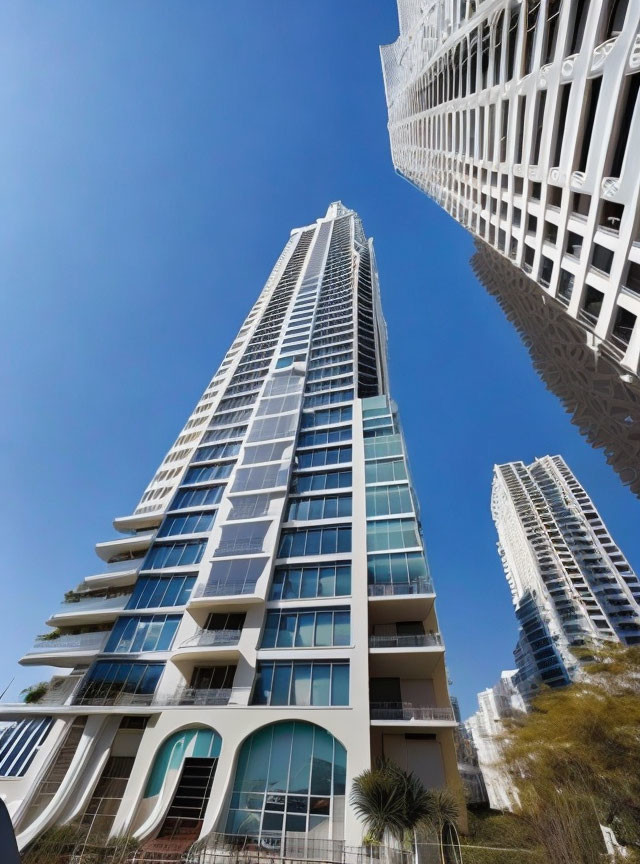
197	696
418	586
212	637
393	641
88	604
78	642
225	589
408	711
120	698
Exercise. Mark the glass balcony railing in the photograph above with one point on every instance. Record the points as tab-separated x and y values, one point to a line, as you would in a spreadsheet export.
422	640
225	589
409	711
212	638
418	586
91	604
69	643
198	696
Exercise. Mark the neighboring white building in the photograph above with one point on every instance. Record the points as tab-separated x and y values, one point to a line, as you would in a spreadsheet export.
487	729
265	625
570	583
604	407
520	118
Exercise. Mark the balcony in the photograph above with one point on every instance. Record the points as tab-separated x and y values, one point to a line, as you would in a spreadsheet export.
244	590
419	586
207	645
212	638
134	543
197	696
95	609
400	601
423	640
394	712
64	650
116	574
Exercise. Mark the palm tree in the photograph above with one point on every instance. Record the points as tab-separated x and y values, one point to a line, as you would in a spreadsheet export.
378	799
442	818
392	802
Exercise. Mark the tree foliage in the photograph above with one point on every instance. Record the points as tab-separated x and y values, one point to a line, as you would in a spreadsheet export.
575	759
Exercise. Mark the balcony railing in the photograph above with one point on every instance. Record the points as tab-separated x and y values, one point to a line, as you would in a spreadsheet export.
225	589
212	638
77	642
418	586
117	698
422	640
408	711
197	696
91	604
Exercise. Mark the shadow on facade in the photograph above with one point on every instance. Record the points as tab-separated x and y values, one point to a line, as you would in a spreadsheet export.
605	409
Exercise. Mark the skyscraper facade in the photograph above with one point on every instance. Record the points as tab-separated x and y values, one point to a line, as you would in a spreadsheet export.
264	626
604	407
487	732
570	583
520	119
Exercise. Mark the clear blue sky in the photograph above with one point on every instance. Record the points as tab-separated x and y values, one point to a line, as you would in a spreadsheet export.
154	156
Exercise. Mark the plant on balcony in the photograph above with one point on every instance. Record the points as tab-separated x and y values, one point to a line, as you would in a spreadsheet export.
72	596
35	692
56	633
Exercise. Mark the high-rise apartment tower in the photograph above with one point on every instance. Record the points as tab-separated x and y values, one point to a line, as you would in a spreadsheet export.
570	583
265	625
521	120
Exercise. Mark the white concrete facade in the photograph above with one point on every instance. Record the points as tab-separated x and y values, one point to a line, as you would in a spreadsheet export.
268	595
520	118
570	582
487	731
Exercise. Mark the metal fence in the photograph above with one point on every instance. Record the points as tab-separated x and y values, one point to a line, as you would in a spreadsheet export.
67	845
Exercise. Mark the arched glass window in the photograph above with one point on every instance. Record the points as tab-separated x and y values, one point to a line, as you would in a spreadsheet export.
290	778
195	743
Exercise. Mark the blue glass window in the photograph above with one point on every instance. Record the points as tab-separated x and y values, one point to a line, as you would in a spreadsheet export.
152	592
392	534
328	417
207	472
314	541
320	458
192	523
197	497
299	682
384	500
319	507
136	633
326	436
217	451
328	398
301	628
111	683
174	554
331	580
321	481
19	744
399	568
290	777
382	446
385	472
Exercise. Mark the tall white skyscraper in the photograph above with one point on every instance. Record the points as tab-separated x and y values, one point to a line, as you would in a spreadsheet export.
487	731
521	120
264	626
603	406
570	582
